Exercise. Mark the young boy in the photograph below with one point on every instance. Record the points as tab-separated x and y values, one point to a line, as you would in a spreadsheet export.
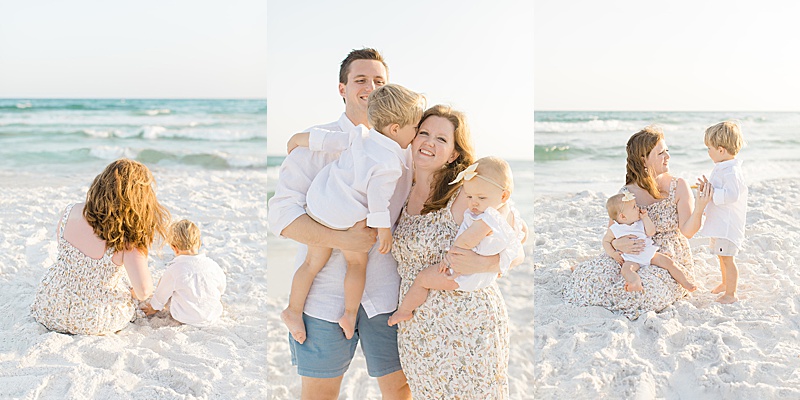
355	187
725	214
629	219
192	282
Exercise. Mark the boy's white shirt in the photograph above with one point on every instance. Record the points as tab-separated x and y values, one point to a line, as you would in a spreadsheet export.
195	284
325	300
360	183
725	214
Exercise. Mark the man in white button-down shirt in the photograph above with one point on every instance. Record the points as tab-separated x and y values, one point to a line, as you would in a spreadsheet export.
326	354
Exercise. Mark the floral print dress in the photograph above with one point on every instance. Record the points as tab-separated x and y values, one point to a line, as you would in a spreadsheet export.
456	345
598	282
82	295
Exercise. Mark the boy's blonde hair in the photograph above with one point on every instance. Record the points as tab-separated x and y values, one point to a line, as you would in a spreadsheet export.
394	104
184	235
614	206
122	209
497	170
727	135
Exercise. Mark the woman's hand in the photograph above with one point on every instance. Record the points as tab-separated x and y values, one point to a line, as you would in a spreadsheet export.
705	193
628	244
465	261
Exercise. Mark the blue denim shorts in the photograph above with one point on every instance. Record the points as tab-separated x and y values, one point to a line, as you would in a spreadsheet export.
327	354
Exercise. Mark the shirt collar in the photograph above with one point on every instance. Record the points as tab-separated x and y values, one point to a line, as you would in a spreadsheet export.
390	144
729	163
345	123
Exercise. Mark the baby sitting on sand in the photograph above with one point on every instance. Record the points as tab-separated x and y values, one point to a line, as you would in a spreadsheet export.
192	283
629	219
491	226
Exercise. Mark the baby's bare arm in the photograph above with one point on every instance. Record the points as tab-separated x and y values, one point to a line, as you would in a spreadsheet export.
609	248
384	240
473	235
649	225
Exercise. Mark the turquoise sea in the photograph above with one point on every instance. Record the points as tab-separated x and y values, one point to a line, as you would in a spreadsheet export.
585	150
77	135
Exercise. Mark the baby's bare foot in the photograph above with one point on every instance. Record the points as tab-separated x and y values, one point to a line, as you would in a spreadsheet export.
727	299
688	286
634	286
719	289
398	316
294	321
348	324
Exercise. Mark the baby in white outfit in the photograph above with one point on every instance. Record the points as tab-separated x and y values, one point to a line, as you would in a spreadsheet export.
629	219
491	225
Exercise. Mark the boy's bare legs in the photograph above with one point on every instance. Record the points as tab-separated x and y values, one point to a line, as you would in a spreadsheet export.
633	283
721	287
730	277
354	281
661	260
292	316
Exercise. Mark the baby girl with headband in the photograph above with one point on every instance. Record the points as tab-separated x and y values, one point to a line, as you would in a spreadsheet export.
492	225
629	219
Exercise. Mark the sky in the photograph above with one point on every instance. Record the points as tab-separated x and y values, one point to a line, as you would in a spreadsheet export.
632	55
141	49
476	56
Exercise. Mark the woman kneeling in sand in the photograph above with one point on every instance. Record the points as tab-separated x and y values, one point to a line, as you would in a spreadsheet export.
102	246
670	204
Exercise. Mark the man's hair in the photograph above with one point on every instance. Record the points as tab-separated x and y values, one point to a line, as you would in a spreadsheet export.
727	135
362	54
184	235
394	104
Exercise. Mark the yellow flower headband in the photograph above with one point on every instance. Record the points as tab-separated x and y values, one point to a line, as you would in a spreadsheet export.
628	196
470	173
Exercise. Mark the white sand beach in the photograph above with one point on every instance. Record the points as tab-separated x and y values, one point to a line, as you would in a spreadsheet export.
693	349
154	358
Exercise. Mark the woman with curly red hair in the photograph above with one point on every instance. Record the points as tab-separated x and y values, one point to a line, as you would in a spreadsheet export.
102	254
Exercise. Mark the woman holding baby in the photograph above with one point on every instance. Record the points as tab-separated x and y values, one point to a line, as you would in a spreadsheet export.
671	205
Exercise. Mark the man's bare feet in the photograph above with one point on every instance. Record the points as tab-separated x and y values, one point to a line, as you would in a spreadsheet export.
294	322
727	299
348	324
398	316
634	286
719	289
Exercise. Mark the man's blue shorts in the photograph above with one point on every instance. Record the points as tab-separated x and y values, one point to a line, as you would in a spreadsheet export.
327	354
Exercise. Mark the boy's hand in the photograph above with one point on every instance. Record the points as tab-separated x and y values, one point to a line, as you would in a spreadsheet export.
384	240
297	140
148	309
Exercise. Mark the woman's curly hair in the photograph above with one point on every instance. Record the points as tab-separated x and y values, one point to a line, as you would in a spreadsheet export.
441	190
122	209
638	148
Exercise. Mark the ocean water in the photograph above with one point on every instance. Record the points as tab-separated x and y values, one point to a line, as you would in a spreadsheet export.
585	150
83	135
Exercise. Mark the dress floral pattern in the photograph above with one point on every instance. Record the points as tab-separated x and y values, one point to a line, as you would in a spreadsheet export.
598	282
82	295
456	345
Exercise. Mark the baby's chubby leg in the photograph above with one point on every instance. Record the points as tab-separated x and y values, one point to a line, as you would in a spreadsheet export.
354	281
428	278
292	316
633	283
662	261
